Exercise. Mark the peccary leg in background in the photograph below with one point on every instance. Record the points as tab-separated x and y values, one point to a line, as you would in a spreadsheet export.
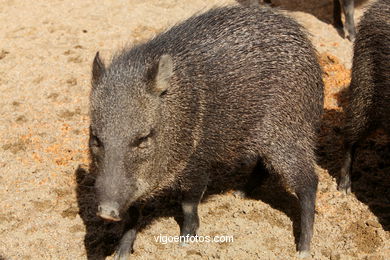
350	145
359	128
345	173
258	175
190	202
348	8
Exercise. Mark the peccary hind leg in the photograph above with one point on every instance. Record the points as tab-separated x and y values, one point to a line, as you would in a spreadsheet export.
306	195
346	170
297	171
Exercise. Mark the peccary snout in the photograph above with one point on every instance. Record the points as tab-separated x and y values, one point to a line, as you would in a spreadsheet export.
109	211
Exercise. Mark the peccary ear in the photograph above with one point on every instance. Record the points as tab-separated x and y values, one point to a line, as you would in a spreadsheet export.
98	69
164	73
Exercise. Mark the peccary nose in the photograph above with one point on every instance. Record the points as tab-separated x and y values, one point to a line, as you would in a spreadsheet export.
109	211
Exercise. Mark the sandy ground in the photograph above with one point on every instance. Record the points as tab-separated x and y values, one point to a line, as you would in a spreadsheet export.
46	196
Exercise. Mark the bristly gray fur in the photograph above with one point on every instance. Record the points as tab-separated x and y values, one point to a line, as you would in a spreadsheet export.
245	84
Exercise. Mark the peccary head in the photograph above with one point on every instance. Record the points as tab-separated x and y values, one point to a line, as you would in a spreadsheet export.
124	133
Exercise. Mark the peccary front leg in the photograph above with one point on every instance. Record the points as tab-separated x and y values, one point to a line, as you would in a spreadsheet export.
348	8
191	218
189	204
125	247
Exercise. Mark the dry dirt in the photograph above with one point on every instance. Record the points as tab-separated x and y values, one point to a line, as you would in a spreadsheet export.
46	196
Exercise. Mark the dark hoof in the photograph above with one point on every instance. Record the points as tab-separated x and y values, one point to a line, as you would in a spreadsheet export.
304	254
240	194
122	255
351	38
344	188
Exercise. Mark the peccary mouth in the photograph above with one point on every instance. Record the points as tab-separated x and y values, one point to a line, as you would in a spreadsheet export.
108	217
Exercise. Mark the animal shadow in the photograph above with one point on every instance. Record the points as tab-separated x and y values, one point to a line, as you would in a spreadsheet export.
102	238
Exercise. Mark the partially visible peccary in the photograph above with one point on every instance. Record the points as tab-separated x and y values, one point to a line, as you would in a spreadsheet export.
339	6
229	85
369	92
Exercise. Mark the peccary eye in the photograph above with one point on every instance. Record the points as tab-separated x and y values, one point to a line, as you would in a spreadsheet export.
144	141
94	141
163	93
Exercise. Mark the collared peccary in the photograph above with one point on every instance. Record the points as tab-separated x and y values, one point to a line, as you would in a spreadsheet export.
228	85
339	6
369	91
